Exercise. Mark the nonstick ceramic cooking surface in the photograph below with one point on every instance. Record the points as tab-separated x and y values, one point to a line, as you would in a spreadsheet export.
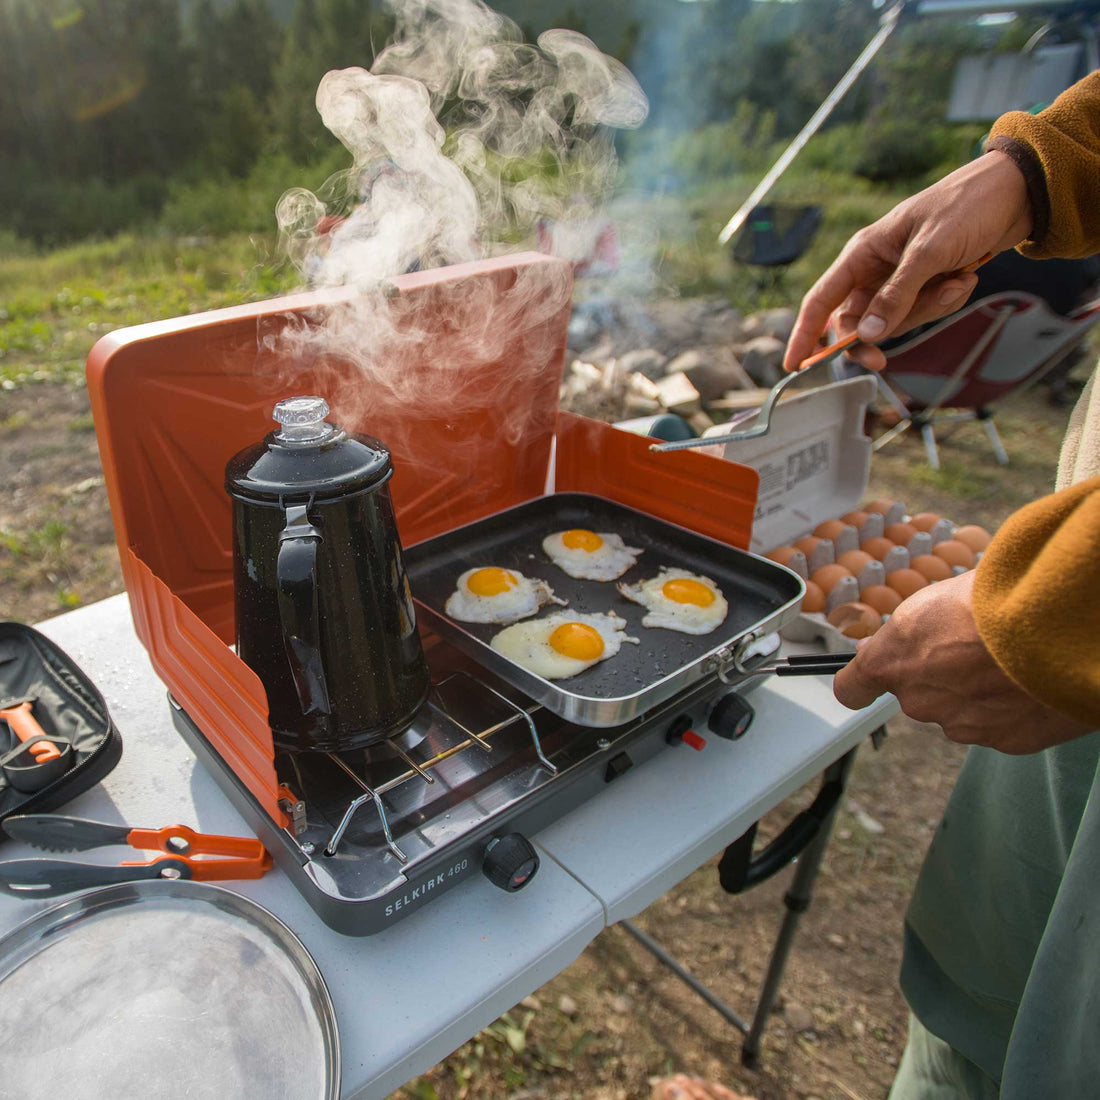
757	591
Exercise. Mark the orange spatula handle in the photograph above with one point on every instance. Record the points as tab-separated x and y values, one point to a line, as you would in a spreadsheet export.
848	341
25	726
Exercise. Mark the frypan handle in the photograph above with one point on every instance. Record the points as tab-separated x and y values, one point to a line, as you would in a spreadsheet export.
296	576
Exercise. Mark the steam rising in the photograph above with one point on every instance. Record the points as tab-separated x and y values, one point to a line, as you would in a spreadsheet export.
526	137
462	137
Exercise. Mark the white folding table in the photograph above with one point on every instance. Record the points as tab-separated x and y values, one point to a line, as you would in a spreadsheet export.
402	1005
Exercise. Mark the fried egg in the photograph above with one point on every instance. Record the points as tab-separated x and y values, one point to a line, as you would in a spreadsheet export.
679	600
562	644
589	555
495	595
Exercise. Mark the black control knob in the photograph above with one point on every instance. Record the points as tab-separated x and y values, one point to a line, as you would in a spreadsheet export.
731	717
510	862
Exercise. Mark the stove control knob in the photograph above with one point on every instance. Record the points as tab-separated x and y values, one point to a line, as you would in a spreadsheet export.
510	862
730	717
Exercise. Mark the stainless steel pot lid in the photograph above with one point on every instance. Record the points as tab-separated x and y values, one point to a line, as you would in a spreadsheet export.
163	989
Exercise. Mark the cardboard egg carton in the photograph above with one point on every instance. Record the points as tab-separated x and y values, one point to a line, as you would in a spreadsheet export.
814	466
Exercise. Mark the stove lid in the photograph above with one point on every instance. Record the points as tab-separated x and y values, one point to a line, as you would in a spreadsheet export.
174	400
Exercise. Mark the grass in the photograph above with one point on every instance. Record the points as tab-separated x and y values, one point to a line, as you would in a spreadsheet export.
55	305
957	479
691	262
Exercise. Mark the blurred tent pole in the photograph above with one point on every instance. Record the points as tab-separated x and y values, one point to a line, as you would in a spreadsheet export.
886	27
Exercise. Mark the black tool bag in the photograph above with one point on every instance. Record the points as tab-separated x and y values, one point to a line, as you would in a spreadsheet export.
71	713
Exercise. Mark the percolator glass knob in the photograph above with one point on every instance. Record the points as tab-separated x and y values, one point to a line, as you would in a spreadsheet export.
302	419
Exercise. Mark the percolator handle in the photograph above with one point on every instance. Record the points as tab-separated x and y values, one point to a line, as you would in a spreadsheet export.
296	575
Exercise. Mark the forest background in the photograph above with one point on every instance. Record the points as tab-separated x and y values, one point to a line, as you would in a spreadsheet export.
192	116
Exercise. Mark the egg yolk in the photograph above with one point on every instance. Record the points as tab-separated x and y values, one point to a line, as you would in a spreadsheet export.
580	539
685	590
490	582
577	640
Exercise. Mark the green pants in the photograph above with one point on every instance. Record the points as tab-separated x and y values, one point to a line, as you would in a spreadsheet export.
1002	938
932	1070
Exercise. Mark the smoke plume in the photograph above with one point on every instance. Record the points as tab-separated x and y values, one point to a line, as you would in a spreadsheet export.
463	138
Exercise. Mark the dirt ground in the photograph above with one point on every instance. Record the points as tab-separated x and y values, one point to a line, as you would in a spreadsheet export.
57	548
615	1019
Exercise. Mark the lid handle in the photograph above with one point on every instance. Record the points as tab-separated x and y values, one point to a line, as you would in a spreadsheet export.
302	420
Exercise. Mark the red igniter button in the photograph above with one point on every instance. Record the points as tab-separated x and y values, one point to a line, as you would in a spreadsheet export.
694	740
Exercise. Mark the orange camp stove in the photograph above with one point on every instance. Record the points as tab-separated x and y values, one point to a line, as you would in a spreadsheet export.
484	465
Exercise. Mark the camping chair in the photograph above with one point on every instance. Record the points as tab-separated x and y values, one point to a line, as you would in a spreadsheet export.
776	235
961	366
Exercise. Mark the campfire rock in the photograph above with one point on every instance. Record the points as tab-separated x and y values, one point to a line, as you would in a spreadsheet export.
702	422
678	395
712	371
762	358
607	391
723	326
647	361
584	391
643	398
776	323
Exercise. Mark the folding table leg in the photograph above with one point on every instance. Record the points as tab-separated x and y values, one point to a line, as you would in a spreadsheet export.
797	900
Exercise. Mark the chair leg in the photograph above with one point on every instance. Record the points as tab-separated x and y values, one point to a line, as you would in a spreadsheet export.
929	438
999	451
893	433
892	398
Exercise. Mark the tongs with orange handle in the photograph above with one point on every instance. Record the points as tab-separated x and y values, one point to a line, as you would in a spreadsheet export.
764	414
182	848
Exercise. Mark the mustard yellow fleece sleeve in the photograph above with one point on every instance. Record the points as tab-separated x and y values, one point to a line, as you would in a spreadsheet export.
1058	151
1037	600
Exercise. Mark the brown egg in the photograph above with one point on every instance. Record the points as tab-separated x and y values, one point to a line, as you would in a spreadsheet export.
855	620
814	600
880	507
955	553
882	598
806	544
782	554
925	521
854	561
830	529
901	534
906	581
977	538
828	575
877	548
856	519
792	558
861	628
932	568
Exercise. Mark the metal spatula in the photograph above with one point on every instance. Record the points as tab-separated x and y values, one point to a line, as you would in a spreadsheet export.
764	415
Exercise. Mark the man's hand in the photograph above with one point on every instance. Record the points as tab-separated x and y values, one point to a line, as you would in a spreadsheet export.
902	271
930	655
